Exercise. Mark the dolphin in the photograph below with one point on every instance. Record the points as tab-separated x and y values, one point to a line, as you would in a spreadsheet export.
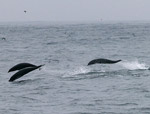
3	38
103	61
21	66
23	71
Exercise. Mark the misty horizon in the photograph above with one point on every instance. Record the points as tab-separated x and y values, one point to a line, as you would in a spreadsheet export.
78	11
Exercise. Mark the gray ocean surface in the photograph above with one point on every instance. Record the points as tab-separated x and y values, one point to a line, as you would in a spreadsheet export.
66	85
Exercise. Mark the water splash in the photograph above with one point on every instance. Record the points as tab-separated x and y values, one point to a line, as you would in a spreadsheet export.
77	71
133	65
81	70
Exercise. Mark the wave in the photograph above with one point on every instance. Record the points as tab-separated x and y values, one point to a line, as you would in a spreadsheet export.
77	71
133	65
90	72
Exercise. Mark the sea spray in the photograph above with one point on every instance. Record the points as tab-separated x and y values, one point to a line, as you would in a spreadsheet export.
133	65
76	71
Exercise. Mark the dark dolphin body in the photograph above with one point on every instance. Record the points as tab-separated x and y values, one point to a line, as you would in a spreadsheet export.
23	72
21	66
103	61
3	38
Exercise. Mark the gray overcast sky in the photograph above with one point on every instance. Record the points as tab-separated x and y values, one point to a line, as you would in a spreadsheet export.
74	10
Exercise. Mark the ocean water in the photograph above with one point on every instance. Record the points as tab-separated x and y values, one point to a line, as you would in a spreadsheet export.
66	85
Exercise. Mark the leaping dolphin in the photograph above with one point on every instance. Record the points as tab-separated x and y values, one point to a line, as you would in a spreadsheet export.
103	61
21	66
22	72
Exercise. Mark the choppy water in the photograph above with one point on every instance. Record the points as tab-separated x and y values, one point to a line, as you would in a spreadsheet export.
66	85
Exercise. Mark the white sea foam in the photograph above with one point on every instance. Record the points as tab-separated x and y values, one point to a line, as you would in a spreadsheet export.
76	71
133	65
